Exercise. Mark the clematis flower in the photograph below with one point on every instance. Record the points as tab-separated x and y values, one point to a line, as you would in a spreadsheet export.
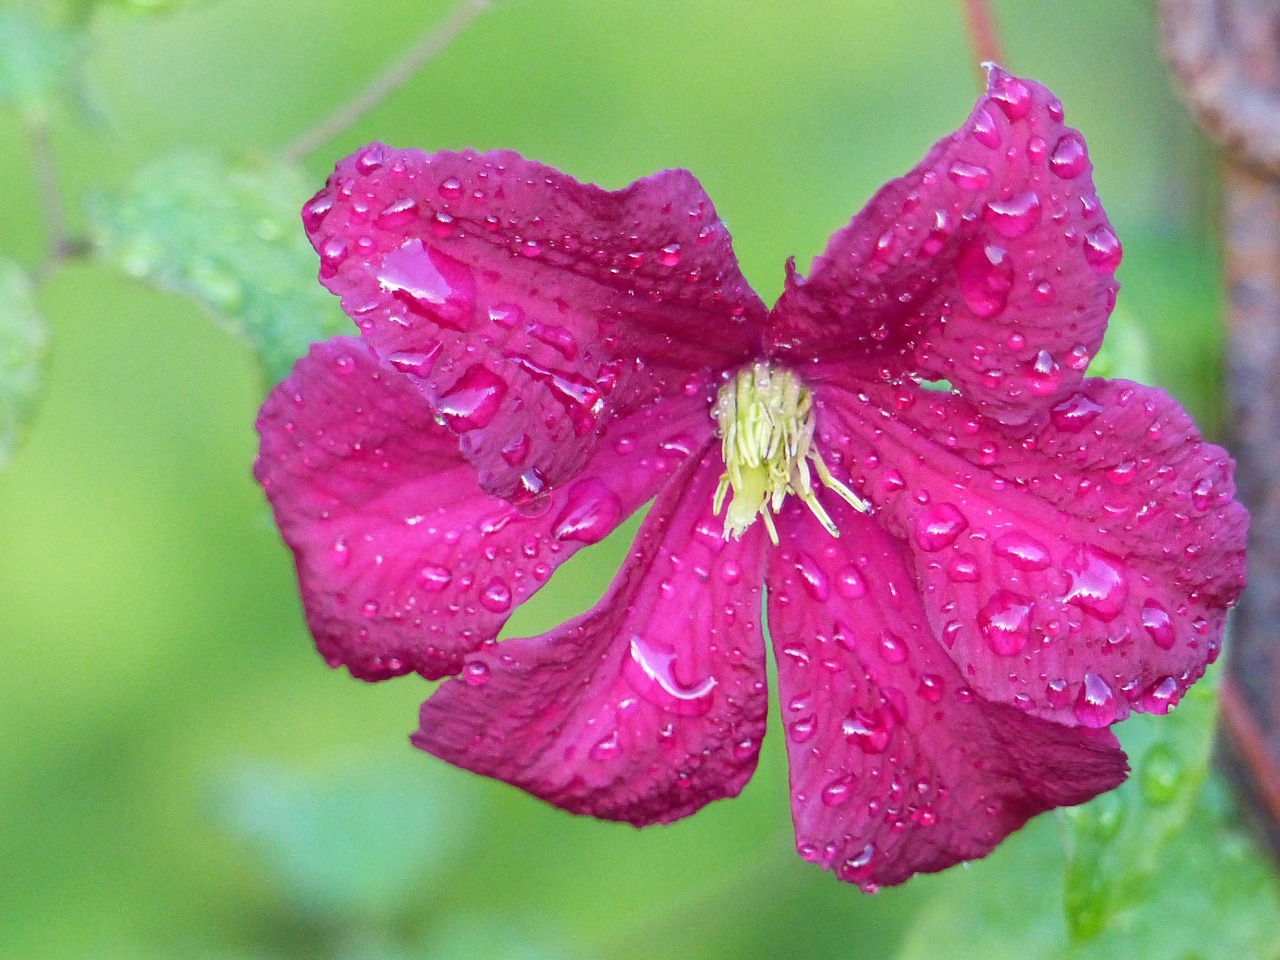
966	584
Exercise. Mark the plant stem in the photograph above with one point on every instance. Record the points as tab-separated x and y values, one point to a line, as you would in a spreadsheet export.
388	82
61	246
984	38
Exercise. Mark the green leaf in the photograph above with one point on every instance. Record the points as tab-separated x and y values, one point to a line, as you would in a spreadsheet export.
39	62
22	346
1125	351
227	233
1155	869
353	843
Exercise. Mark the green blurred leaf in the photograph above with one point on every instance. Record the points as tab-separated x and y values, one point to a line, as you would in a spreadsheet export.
355	843
22	345
39	62
1154	869
1125	351
228	234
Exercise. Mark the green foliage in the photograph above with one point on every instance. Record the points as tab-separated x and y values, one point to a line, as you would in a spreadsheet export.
354	844
228	234
1125	351
22	346
39	62
1154	869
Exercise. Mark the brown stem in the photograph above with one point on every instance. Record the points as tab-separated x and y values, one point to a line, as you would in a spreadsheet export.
387	82
1249	741
984	38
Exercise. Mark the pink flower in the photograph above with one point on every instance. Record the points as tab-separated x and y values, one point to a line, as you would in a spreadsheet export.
965	588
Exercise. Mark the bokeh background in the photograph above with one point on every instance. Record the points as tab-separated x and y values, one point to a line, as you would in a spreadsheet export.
181	775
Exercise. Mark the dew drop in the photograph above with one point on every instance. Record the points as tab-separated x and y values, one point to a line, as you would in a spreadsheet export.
430	283
1069	158
473	401
931	688
1095	704
939	526
1014	217
963	568
985	275
868	730
1005	622
1075	413
316	209
1155	619
814	578
607	748
398	214
1045	375
850	583
984	128
838	792
496	596
1099	585
1102	249
433	578
893	649
1022	552
475	673
651	672
1162	697
969	176
450	189
591	510
669	256
1012	96
340	553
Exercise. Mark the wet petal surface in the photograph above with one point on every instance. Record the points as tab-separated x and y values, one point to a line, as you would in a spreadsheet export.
647	707
990	265
405	563
531	308
1077	569
897	766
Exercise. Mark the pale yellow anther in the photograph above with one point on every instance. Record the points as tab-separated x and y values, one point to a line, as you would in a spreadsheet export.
766	435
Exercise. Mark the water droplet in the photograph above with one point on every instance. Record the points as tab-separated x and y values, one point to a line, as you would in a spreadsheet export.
669	256
814	579
802	730
1069	158
1005	622
985	130
969	176
557	337
450	189
475	673
851	584
985	275
893	649
1075	413
1056	693
398	214
370	609
1012	96
433	578
370	159
606	749
1095	704
1102	249
332	254
496	596
415	363
430	283
340	554
931	688
838	791
1099	585
591	510
575	393
1156	620
963	568
1203	494
1162	697
516	450
652	674
316	209
506	315
1014	217
869	730
473	401
1045	375
1022	552
939	526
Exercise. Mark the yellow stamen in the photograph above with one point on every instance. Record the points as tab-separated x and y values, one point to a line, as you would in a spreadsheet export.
766	432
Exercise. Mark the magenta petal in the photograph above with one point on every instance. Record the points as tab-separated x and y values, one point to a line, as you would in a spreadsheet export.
530	307
404	563
897	767
644	709
1076	570
989	265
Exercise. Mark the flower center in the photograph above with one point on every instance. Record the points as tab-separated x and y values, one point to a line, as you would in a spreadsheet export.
766	430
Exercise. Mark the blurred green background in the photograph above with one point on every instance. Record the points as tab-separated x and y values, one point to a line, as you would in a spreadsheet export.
180	775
